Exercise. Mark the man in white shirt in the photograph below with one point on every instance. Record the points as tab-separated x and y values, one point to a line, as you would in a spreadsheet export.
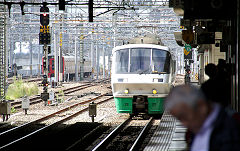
213	129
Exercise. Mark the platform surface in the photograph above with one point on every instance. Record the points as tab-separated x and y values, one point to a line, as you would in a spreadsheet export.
169	136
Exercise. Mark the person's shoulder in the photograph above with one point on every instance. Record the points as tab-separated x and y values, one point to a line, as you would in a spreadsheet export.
226	126
225	135
225	119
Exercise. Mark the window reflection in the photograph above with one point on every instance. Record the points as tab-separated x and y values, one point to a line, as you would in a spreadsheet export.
161	61
122	57
141	61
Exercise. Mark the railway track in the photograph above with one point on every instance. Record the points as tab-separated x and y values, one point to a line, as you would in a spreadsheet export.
127	136
16	137
10	81
37	98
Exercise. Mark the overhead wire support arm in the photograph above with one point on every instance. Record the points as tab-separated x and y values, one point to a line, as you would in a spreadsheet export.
112	8
104	12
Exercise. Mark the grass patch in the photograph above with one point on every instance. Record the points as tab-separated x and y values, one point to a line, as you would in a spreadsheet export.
19	89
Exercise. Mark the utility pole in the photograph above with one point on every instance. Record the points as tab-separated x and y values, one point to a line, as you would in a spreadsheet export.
114	17
97	59
31	56
92	54
109	65
56	58
81	58
81	52
39	61
44	39
60	53
103	62
76	60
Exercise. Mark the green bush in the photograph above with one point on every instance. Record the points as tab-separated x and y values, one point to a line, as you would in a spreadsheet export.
19	89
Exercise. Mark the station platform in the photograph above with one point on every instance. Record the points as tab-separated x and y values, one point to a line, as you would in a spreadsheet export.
169	135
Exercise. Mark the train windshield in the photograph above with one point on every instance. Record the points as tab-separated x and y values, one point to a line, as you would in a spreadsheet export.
142	61
161	61
122	58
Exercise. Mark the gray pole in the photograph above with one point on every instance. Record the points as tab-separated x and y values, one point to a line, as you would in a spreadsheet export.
114	29
109	66
97	59
76	61
31	59
55	57
81	59
7	48
39	61
11	52
60	54
103	62
92	56
5	54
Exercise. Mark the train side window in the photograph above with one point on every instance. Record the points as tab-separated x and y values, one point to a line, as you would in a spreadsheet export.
161	60
122	59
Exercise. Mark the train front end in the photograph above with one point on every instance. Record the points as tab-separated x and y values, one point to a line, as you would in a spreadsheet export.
142	76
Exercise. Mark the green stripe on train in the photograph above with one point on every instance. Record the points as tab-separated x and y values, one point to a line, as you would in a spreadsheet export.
123	105
155	105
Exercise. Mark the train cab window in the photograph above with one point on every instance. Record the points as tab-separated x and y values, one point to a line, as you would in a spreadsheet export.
122	58
161	60
140	60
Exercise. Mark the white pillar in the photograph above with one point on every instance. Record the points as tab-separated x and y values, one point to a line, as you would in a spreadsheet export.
55	57
103	62
76	61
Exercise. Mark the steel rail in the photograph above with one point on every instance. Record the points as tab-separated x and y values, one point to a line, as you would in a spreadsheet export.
141	135
17	104
110	136
48	116
33	80
56	123
85	137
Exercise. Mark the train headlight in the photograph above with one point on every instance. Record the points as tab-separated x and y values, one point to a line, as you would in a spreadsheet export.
154	91
126	91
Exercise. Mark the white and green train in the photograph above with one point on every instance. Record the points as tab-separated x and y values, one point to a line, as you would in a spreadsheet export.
142	75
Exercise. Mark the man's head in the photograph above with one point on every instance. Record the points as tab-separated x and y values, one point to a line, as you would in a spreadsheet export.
188	104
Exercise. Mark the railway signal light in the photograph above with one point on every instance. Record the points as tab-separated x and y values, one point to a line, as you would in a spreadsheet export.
41	41
61	4
45	82
49	49
44	38
188	71
44	65
44	35
90	10
44	16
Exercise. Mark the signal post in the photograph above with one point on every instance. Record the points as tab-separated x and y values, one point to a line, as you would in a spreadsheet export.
45	39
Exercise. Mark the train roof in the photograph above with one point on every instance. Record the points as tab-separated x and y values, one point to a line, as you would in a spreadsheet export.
141	46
